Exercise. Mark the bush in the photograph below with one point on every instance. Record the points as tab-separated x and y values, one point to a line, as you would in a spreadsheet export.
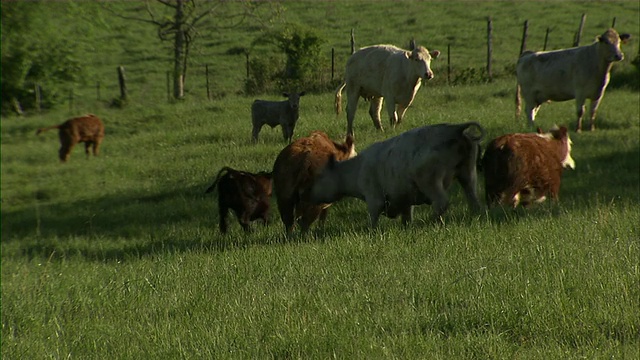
299	69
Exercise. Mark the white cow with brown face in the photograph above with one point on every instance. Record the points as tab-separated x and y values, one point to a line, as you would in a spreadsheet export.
578	73
413	168
384	71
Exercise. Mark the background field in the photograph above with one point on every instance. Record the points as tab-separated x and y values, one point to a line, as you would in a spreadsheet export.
120	257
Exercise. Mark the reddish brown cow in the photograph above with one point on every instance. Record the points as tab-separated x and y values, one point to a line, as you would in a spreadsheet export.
245	193
294	172
525	168
88	129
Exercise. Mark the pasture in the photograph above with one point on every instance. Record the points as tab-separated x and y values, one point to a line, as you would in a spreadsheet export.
120	256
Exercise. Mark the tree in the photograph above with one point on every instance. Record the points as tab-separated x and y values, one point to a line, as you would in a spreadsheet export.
36	62
181	21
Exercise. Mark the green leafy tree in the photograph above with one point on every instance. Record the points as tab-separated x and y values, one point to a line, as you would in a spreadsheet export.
33	57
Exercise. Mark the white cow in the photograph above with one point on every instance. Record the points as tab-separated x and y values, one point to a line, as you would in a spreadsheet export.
384	71
413	168
577	73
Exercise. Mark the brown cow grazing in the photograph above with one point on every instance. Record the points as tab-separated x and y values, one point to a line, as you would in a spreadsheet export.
578	73
88	129
525	168
416	167
245	193
294	171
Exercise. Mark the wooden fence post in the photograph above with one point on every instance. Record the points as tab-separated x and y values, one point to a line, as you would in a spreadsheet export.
412	44
246	55
448	64
333	62
613	23
353	42
489	47
122	81
576	41
523	44
546	38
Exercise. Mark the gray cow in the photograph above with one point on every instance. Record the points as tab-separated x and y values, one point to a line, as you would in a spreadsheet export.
413	168
273	113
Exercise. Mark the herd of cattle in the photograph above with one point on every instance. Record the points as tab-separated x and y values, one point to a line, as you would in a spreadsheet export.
416	167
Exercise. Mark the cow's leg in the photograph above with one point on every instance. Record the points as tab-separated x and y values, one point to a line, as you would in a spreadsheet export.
592	113
407	215
438	196
223	211
352	105
96	146
87	145
287	132
580	100
374	112
375	207
401	110
469	185
309	215
255	132
391	110
287	209
531	109
244	218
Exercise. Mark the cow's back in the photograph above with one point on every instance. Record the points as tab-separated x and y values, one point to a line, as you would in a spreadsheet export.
368	65
86	128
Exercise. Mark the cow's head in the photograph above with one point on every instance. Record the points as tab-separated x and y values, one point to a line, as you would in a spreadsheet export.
294	99
609	45
421	60
561	134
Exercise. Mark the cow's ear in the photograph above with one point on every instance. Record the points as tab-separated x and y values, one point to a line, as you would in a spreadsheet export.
435	54
624	38
539	130
562	132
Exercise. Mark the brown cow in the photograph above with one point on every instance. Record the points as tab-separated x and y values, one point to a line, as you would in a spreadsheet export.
88	129
525	168
577	73
294	171
245	193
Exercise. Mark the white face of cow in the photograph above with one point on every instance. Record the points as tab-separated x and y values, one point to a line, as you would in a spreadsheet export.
421	61
610	45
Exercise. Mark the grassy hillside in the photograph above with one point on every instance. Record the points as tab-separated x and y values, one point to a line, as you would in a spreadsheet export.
120	256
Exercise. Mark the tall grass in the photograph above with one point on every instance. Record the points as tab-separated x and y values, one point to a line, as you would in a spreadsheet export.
120	256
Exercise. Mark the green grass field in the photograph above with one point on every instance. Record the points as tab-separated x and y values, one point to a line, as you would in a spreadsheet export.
120	256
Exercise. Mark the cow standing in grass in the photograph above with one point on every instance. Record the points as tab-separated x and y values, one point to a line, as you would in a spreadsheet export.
294	172
578	73
247	194
88	129
413	168
273	113
384	71
520	169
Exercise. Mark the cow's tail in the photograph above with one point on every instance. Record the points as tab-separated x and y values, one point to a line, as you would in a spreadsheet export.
474	136
218	177
338	100
47	128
